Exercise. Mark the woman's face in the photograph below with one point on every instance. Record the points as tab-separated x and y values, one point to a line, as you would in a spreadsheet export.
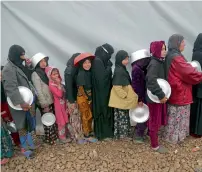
125	61
182	46
43	64
87	64
163	51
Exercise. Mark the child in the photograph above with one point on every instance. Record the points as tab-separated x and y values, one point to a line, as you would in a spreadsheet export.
84	95
57	89
74	125
139	61
158	112
6	144
122	96
44	96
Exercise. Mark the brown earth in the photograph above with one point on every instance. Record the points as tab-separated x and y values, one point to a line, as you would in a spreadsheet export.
111	156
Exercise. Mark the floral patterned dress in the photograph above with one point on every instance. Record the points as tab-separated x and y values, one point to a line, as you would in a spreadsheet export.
121	123
178	123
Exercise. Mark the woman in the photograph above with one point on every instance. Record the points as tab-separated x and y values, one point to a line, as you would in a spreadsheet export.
44	96
122	96
196	107
181	76
158	111
101	80
84	93
74	125
5	112
16	74
139	64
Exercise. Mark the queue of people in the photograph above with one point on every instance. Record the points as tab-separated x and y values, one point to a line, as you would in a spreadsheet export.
94	102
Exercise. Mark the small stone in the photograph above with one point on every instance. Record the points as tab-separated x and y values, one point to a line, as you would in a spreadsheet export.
30	170
57	166
82	157
129	165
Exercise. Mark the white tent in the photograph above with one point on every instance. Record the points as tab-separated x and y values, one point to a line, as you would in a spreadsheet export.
60	29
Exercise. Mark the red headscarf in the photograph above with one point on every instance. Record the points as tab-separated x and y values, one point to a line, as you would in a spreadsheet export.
156	47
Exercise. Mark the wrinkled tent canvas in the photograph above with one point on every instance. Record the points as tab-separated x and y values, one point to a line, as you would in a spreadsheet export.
60	29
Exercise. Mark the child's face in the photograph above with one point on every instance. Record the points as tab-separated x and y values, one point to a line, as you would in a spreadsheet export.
163	51
54	75
43	64
87	65
125	61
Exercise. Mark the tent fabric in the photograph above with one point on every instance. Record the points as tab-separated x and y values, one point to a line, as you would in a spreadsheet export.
60	29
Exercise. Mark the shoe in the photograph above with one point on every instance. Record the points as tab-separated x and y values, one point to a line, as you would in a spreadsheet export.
27	153
139	140
91	139
4	161
64	141
160	149
81	141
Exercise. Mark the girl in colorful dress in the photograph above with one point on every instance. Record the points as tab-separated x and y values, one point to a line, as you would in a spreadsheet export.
122	96
139	61
84	95
44	96
74	125
181	76
58	92
158	111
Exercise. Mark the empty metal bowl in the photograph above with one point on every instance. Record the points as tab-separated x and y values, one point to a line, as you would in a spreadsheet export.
140	114
165	86
196	65
27	96
48	119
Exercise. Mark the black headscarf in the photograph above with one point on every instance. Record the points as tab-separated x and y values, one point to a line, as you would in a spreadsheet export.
104	52
41	72
71	69
3	96
121	75
14	54
197	51
198	43
84	77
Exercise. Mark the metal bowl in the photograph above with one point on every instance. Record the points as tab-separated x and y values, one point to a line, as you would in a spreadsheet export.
48	119
11	127
139	114
165	86
196	65
140	54
37	58
26	95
